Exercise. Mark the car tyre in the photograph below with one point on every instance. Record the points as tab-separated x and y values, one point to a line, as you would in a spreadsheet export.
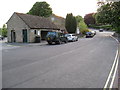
66	41
50	43
77	39
73	40
58	42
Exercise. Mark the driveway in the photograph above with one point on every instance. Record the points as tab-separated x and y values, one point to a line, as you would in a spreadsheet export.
82	64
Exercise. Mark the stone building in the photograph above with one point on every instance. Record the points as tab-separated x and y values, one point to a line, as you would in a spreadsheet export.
24	27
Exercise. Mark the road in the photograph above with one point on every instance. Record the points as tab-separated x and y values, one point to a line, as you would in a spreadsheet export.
82	64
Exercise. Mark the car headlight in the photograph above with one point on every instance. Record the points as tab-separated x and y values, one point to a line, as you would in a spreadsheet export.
48	38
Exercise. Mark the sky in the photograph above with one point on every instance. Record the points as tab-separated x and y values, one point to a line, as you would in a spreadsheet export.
59	7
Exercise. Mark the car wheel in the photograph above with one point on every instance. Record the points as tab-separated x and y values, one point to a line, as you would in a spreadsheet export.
66	41
58	42
73	40
50	43
77	39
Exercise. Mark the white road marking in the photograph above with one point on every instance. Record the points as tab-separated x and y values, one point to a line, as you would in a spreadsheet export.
108	79
111	85
114	38
113	68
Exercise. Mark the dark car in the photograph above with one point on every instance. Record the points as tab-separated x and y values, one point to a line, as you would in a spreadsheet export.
101	30
2	38
89	34
56	37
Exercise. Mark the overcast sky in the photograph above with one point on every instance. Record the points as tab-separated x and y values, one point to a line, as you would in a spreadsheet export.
59	7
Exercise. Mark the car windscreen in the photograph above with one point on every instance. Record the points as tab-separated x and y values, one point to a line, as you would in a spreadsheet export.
73	35
51	34
68	35
88	32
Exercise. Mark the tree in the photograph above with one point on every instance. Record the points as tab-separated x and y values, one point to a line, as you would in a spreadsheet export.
81	25
41	9
71	23
89	19
109	13
79	19
0	31
4	31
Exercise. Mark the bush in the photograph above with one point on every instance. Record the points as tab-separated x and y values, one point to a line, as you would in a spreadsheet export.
4	31
81	25
83	28
0	31
106	27
83	31
94	26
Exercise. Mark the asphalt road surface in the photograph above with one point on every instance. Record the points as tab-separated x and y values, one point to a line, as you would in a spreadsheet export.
82	64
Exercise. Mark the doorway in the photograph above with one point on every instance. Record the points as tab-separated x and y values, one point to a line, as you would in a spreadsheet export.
13	36
43	34
24	35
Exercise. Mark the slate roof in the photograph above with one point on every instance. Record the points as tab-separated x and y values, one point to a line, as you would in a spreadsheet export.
37	22
58	20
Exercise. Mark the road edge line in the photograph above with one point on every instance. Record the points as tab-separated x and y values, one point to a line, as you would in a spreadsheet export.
106	84
114	38
112	82
108	79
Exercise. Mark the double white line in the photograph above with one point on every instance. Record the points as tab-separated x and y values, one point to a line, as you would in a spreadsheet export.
110	80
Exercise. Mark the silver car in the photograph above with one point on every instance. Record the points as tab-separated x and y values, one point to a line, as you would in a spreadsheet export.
72	37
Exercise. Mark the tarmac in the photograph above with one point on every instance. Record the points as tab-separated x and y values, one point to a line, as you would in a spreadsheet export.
117	36
44	42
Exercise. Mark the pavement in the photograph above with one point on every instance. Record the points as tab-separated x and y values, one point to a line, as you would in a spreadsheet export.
5	45
82	64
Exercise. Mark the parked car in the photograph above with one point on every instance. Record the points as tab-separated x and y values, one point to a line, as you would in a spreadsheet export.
89	34
72	37
94	32
56	37
100	30
1	37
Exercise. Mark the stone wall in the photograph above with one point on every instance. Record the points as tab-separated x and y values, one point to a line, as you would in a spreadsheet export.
15	23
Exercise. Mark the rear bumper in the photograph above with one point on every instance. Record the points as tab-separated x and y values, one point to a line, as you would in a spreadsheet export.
89	35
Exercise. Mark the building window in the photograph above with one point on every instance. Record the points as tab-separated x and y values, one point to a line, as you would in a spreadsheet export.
39	33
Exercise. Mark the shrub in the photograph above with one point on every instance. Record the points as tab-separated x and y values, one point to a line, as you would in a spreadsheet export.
106	27
83	28
83	31
4	31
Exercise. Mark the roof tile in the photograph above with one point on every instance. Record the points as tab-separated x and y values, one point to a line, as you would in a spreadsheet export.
37	22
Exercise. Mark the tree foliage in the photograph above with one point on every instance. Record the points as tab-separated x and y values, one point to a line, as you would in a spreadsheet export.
79	19
109	13
89	19
71	23
41	9
0	31
81	24
4	31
